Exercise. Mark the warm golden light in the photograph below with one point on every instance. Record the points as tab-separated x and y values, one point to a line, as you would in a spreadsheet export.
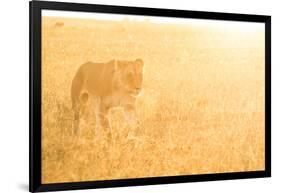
200	109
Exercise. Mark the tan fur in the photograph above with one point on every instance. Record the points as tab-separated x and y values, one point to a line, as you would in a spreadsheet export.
112	84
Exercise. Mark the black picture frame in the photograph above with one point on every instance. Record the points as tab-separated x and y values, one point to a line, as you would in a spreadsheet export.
35	8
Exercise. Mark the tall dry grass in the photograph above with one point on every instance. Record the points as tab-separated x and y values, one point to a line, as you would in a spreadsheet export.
201	108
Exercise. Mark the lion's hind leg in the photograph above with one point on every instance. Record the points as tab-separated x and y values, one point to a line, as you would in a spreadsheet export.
79	109
76	110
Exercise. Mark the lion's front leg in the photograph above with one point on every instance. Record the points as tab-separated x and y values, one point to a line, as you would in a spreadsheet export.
103	122
132	120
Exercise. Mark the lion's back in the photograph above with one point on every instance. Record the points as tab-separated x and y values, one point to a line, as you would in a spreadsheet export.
94	78
104	80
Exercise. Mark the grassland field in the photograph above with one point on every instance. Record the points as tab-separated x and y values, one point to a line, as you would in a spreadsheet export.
201	107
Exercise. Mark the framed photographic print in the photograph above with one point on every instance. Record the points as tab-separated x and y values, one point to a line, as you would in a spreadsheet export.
125	96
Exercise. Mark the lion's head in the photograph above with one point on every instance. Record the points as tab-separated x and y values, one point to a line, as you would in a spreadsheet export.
129	76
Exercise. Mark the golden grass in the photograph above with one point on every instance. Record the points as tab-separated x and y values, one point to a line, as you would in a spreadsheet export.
201	109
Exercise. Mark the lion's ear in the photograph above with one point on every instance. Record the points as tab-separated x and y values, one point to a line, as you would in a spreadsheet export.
114	64
139	61
118	65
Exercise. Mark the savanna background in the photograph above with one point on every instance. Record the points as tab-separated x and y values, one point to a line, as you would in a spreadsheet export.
201	108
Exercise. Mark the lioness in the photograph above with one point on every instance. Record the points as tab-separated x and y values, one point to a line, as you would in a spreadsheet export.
111	84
